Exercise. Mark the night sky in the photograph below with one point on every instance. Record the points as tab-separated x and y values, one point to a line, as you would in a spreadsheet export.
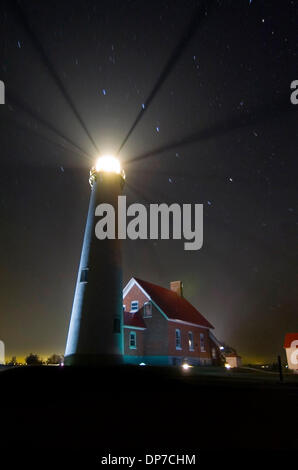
220	130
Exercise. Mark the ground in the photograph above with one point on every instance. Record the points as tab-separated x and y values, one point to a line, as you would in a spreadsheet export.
86	413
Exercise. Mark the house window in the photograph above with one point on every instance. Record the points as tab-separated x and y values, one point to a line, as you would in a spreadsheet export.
84	275
147	310
123	308
213	351
178	339
132	340
134	306
190	341
202	342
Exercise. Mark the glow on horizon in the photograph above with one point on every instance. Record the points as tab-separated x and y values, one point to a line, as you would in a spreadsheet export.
20	358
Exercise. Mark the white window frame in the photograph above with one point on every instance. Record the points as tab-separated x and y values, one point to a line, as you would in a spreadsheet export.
134	333
202	340
190	341
134	309
178	347
146	304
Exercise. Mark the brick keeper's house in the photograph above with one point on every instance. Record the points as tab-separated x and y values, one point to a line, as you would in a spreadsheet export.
162	328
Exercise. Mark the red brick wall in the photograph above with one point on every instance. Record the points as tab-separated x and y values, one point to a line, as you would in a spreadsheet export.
156	334
134	294
159	338
155	341
196	330
139	351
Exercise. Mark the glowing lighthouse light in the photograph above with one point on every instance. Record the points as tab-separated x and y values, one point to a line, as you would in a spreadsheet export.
108	163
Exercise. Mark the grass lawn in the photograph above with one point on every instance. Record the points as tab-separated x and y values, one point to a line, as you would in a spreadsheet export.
89	411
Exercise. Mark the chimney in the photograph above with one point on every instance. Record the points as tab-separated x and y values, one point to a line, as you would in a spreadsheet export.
177	286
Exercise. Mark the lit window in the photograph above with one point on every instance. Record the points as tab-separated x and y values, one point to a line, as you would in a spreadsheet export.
147	310
202	342
123	308
134	306
178	339
84	275
190	341
132	340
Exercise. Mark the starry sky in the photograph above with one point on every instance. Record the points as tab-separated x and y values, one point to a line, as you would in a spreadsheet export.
220	130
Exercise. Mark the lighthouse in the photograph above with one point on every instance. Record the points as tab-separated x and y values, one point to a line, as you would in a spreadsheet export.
95	330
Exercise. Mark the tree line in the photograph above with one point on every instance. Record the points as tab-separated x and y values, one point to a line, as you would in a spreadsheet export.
35	360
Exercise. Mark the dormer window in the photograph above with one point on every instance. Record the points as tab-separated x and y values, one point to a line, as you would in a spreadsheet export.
147	310
134	306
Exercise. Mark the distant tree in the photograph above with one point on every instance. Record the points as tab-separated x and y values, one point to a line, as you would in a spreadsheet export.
33	360
222	359
12	362
54	359
228	349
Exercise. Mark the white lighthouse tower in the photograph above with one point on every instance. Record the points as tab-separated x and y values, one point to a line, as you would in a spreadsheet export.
95	330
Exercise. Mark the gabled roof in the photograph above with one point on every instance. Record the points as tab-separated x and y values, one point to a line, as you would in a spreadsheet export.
289	338
133	319
215	340
173	306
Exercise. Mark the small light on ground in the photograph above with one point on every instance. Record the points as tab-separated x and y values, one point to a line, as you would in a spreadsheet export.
227	366
185	366
142	364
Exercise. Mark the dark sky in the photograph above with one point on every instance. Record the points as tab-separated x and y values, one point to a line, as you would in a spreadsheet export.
220	131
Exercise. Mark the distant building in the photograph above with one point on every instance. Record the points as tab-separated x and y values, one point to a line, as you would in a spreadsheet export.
162	328
233	360
291	347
